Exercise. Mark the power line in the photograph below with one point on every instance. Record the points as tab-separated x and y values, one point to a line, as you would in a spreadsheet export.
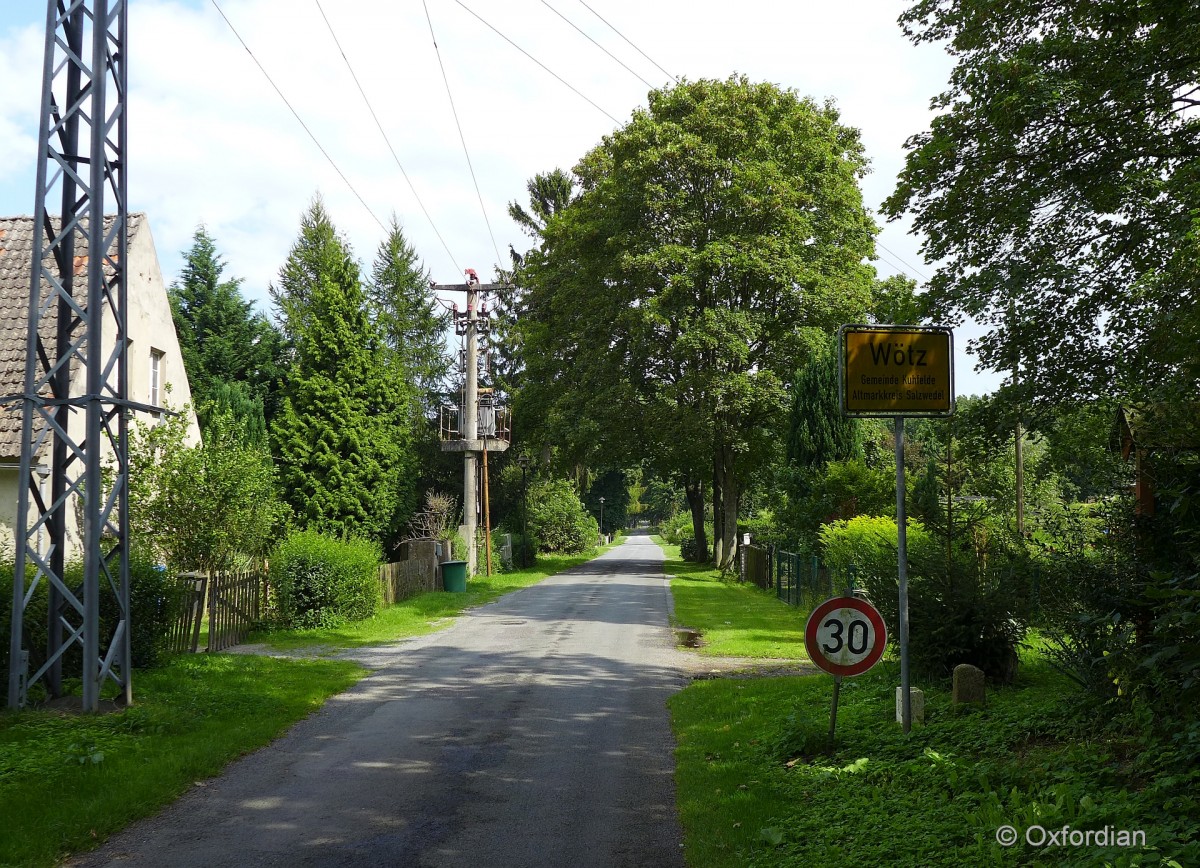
899	268
623	36
386	140
597	44
895	255
297	116
535	60
461	137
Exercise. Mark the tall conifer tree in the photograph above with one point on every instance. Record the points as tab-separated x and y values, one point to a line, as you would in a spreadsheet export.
222	339
339	437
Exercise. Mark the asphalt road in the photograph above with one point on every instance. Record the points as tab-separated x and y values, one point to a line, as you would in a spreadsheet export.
532	732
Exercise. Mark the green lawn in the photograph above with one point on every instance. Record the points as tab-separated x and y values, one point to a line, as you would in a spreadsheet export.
423	613
758	784
734	619
67	781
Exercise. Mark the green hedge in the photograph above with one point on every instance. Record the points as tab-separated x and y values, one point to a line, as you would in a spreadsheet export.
970	610
320	581
153	603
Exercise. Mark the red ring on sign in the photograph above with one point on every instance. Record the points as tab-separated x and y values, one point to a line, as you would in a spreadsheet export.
814	623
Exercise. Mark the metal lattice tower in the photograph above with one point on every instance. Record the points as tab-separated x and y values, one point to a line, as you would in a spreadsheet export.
75	407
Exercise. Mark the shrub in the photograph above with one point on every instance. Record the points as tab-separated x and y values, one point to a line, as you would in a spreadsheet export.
676	528
154	599
320	581
558	520
970	610
153	605
689	550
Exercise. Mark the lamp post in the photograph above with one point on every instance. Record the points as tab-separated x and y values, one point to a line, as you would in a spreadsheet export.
602	517
523	460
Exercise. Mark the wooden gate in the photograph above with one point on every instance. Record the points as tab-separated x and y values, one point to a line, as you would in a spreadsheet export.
756	566
234	604
189	601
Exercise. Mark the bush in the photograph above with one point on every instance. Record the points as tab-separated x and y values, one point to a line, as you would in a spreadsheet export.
154	599
970	610
558	520
677	528
866	546
320	581
153	604
689	550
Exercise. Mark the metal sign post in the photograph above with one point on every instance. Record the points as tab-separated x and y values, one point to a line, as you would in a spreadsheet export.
845	636
902	568
897	372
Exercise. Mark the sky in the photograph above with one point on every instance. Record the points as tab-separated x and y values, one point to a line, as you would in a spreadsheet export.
211	141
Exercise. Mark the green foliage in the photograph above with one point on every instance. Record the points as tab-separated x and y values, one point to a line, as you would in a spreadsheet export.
613	486
709	231
959	612
1058	188
680	531
558	519
242	415
758	784
408	316
340	437
549	192
221	339
838	491
817	431
153	603
324	582
206	507
661	501
897	303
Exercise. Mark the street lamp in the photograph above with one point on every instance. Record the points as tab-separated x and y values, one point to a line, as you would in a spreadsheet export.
602	516
523	460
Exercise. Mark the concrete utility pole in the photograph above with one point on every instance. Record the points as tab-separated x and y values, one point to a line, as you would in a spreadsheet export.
469	325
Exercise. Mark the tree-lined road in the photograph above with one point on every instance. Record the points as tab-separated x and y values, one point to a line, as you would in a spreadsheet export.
532	732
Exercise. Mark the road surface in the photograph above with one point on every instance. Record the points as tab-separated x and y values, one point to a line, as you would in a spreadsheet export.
532	732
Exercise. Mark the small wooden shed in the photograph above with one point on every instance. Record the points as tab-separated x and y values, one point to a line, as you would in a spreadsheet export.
1139	432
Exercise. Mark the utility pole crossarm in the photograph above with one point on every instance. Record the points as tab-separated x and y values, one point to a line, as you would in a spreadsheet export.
468	287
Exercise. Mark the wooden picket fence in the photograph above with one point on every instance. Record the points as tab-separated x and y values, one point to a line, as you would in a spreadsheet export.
233	601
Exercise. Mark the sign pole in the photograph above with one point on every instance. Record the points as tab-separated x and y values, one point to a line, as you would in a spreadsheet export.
837	688
837	680
902	563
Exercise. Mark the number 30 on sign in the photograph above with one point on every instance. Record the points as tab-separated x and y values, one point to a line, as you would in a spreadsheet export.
845	636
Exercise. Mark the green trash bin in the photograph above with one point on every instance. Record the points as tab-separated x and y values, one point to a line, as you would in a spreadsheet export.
454	576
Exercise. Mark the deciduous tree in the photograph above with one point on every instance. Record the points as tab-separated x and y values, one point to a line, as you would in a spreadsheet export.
663	305
1059	186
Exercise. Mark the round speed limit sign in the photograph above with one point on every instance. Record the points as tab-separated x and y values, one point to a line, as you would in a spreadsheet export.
845	636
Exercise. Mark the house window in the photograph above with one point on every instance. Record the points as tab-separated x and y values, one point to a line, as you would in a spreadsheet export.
156	373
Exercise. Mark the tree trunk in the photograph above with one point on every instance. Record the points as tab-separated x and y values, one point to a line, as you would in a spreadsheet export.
717	509
727	507
694	491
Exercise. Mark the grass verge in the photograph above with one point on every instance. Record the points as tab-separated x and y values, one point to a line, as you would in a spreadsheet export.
757	784
734	619
67	782
423	613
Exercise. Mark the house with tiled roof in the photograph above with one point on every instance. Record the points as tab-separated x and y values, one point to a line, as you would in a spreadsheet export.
155	362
